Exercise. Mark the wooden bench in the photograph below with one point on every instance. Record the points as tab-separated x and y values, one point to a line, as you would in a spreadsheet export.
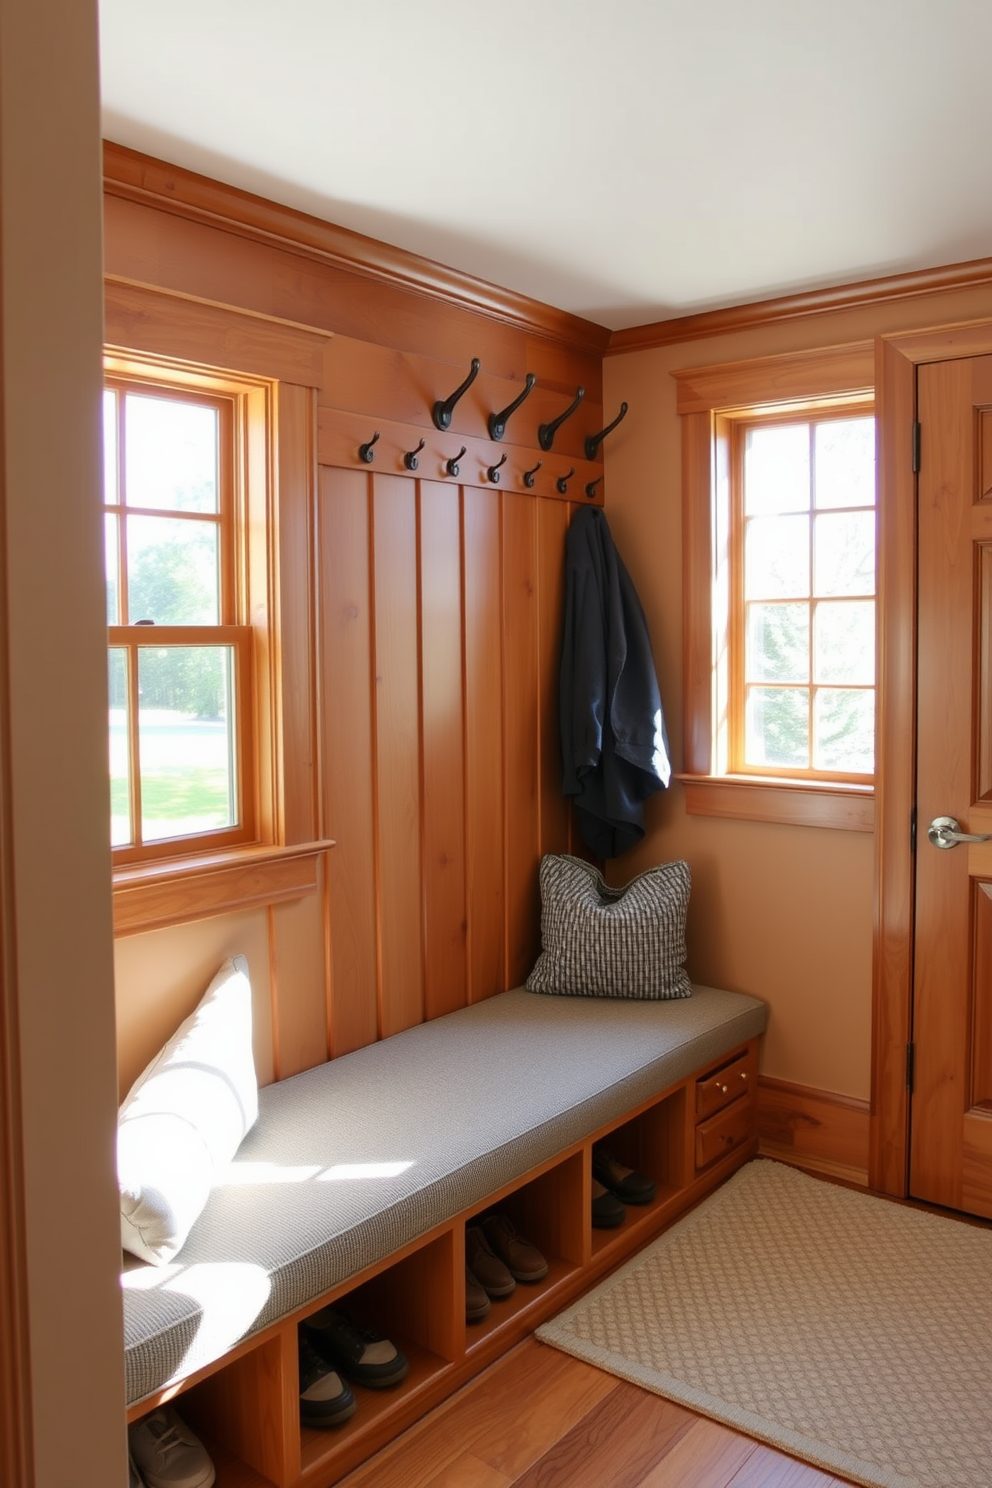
362	1173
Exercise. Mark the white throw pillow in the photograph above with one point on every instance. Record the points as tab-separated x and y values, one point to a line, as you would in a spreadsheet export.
184	1116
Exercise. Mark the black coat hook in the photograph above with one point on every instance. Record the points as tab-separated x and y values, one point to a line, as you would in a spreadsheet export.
546	433
493	471
591	487
365	451
444	410
595	440
451	466
530	474
562	482
410	458
498	421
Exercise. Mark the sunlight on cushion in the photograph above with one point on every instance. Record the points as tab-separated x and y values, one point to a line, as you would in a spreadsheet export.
232	1295
364	1170
240	1175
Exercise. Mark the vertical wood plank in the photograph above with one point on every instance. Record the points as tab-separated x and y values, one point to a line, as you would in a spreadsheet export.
299	1007
296	465
521	732
397	746
483	647
347	744
443	743
553	518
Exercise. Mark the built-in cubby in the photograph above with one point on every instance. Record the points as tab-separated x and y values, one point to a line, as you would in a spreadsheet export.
652	1143
688	1139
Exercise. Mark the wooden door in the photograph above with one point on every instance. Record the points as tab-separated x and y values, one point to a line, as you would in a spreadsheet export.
951	1120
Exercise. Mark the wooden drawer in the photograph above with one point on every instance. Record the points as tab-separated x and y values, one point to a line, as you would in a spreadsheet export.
721	1134
723	1086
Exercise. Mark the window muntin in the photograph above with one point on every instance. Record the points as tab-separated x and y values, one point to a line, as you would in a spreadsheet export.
180	671
803	597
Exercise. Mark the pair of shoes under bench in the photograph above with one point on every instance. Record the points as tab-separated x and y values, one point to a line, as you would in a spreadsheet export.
359	1353
165	1453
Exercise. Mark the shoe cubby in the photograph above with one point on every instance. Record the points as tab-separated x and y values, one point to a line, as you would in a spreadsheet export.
412	1303
547	1211
653	1143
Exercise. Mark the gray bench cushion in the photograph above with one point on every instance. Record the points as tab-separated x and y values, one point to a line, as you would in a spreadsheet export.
353	1159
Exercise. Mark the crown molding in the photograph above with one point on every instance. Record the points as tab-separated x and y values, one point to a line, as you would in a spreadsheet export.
974	274
141	178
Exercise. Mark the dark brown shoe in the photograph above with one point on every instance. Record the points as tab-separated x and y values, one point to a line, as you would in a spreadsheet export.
607	1210
477	1303
629	1186
486	1267
523	1260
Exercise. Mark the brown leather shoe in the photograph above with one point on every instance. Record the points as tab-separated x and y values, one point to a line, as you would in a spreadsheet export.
486	1267
477	1303
523	1260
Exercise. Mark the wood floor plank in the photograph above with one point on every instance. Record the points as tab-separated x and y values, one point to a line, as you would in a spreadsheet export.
509	1417
469	1471
707	1456
539	1408
617	1443
767	1468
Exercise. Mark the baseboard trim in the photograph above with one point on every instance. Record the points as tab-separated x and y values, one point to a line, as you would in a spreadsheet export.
813	1129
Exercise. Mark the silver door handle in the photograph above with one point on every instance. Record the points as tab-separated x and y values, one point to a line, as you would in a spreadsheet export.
943	832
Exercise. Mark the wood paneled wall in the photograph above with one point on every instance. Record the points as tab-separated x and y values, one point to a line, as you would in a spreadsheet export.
425	608
439	638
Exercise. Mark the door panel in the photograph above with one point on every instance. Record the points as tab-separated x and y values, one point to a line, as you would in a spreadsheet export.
951	1132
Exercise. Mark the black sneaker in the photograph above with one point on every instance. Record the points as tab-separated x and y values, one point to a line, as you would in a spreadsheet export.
360	1353
629	1186
325	1398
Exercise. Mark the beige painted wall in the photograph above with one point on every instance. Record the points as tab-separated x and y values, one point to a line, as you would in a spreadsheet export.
784	912
58	972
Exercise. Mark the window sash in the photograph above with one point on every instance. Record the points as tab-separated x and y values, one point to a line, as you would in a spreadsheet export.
737	686
131	640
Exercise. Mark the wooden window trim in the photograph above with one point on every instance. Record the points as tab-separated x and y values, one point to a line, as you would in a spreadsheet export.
708	398
275	487
151	896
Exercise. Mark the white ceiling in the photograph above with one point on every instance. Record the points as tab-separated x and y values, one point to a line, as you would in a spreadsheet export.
628	160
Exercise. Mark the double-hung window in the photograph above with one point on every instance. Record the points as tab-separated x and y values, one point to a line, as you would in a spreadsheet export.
779	534
802	686
180	672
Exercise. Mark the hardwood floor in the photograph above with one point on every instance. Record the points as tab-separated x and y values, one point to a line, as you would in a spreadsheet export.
541	1419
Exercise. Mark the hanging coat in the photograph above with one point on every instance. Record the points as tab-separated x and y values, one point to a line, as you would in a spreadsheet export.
614	745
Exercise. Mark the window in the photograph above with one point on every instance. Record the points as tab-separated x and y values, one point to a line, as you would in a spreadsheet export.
802	685
779	531
179	660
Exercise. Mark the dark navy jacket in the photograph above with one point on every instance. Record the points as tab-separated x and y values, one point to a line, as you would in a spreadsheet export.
614	745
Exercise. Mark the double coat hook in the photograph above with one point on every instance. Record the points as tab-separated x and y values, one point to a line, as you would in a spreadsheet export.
498	421
444	409
546	433
595	440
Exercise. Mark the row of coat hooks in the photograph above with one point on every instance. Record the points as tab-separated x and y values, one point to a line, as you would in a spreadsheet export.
497	422
411	461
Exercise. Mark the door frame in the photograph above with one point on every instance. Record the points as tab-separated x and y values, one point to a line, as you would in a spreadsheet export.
897	358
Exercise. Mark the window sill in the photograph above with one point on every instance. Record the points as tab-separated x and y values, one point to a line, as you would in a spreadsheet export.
173	892
847	808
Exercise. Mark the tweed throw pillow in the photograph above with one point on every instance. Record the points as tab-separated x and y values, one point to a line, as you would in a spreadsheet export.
599	941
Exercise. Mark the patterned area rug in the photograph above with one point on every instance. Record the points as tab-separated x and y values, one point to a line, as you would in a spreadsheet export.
850	1331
